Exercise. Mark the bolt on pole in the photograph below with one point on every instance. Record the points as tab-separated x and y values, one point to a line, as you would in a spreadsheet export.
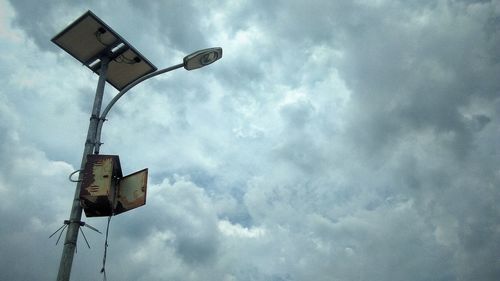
76	209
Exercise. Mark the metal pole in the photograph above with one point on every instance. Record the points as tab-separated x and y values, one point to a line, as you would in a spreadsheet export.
76	209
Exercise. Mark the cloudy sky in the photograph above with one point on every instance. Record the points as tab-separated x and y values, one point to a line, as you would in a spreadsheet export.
335	140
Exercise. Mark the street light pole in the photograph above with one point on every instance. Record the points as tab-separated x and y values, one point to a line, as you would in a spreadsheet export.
97	46
93	142
76	209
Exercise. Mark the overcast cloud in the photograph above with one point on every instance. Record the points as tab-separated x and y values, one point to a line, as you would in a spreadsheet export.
335	140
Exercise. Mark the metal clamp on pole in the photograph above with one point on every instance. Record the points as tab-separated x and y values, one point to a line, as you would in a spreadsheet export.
70	177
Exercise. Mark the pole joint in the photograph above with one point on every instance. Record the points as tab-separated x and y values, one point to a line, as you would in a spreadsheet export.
81	223
93	142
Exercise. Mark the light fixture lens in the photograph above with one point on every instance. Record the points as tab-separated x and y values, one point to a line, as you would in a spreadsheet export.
202	58
208	58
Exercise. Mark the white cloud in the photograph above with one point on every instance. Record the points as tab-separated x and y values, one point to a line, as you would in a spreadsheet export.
229	229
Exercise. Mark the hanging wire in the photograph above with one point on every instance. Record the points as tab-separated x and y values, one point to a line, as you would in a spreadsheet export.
103	270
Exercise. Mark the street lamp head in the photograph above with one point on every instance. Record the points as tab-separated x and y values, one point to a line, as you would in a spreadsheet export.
202	58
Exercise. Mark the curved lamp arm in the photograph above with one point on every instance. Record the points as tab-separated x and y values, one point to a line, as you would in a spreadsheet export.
119	95
195	60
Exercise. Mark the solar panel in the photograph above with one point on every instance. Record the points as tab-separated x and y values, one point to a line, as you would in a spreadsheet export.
88	39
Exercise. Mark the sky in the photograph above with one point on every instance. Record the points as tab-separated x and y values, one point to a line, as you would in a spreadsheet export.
334	140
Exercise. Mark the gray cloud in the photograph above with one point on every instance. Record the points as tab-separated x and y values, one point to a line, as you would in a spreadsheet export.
334	141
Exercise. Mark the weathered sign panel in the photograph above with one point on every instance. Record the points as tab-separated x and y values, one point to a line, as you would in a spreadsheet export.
132	192
98	185
104	190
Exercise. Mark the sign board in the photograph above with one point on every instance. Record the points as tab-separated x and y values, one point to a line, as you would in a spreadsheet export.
105	192
131	192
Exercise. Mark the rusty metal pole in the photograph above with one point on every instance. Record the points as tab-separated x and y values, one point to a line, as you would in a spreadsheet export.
76	209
